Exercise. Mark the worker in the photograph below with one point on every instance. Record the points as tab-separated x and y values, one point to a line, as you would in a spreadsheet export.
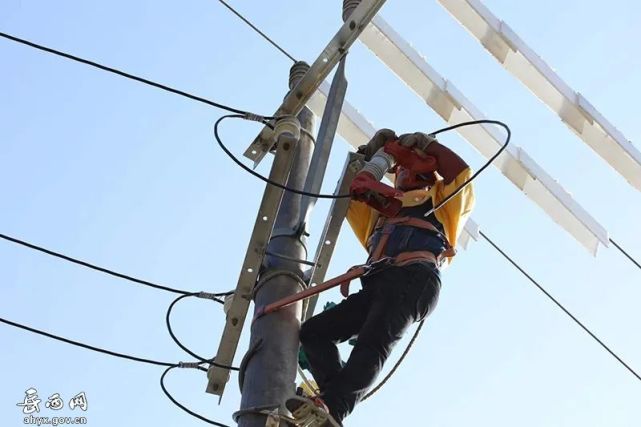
391	225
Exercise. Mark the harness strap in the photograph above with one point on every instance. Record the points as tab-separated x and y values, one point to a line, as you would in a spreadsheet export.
353	273
410	257
388	225
345	278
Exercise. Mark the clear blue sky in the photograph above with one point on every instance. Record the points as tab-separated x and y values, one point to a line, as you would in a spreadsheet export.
129	177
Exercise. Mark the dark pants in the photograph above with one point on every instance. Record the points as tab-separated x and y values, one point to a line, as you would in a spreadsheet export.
390	301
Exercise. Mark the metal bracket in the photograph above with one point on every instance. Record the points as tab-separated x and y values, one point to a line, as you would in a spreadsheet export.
263	226
319	70
326	136
332	228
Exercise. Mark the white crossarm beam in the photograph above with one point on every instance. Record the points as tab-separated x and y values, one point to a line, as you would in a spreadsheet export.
454	108
356	130
573	109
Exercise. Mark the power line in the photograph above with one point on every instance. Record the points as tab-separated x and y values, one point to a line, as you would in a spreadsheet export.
398	362
170	366
86	346
121	73
349	195
180	405
626	254
206	295
547	294
460	188
92	266
179	343
420	325
256	174
248	22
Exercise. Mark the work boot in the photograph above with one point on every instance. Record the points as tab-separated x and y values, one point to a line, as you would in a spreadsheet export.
310	412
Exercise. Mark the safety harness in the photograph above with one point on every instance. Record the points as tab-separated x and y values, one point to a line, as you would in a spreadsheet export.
387	226
376	262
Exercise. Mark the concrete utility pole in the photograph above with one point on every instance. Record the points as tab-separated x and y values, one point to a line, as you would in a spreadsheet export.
268	370
270	364
360	13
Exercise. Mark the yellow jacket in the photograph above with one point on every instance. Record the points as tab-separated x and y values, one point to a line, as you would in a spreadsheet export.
453	215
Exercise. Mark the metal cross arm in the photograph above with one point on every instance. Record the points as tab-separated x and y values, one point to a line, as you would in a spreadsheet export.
573	109
449	103
263	226
319	70
335	218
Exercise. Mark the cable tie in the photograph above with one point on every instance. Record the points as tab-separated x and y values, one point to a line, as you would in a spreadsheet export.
189	365
208	295
254	117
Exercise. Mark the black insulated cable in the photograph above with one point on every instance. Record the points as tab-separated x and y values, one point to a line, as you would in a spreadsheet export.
256	174
85	346
91	266
345	196
180	405
478	172
121	73
180	344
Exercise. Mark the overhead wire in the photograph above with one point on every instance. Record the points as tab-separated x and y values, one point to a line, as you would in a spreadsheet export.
169	365
623	251
180	405
265	36
349	195
122	73
104	270
213	296
420	325
211	361
558	304
91	266
256	174
85	346
482	168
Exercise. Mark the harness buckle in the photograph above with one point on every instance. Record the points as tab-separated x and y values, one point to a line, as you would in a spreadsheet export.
378	264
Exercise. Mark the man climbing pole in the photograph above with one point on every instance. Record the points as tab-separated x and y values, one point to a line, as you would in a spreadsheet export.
406	252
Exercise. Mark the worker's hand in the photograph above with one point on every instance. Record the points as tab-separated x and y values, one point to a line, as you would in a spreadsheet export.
417	141
365	185
378	140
